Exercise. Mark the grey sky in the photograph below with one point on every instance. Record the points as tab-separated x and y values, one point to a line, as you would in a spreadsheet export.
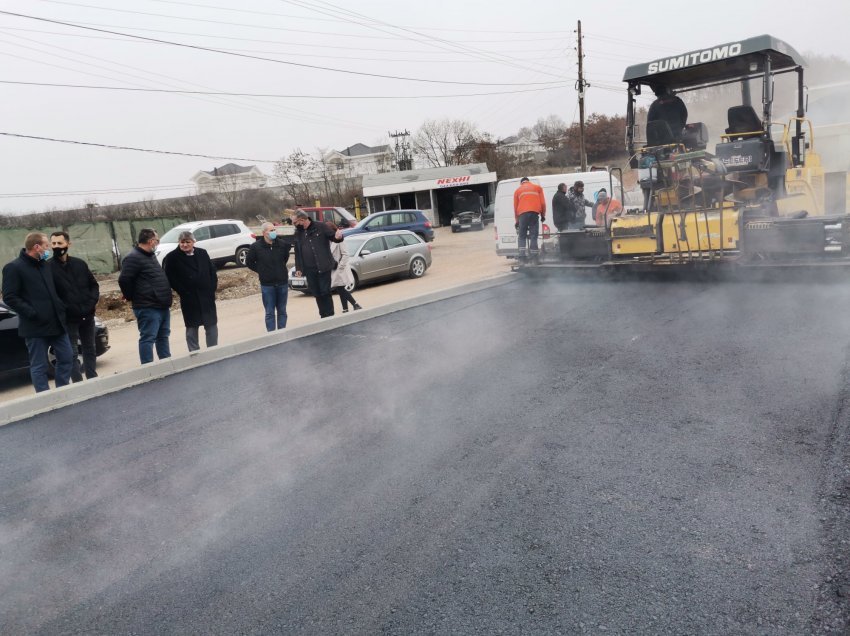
471	46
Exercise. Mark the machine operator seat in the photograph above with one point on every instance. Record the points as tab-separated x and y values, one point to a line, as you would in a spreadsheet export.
658	133
743	119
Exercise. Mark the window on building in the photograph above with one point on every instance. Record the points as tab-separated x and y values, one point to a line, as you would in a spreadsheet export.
376	204
407	200
423	200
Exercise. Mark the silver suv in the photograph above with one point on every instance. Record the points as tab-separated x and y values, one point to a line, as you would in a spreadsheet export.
225	240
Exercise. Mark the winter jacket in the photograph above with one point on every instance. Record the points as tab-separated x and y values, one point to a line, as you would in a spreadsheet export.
579	205
76	286
269	260
529	197
603	212
563	211
313	248
342	275
28	288
194	279
143	282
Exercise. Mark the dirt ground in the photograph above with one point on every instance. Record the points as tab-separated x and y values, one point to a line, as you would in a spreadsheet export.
233	282
457	259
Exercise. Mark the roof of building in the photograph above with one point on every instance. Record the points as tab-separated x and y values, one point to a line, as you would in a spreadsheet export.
425	174
362	149
228	169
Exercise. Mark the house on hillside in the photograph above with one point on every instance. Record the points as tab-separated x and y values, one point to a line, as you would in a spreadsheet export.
229	177
359	160
522	149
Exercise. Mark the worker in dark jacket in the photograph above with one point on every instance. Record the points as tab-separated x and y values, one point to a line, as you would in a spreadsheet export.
268	256
313	257
79	291
192	275
28	288
563	211
144	284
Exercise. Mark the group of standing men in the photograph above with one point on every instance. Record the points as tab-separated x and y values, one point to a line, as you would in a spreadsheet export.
55	294
568	212
55	299
319	255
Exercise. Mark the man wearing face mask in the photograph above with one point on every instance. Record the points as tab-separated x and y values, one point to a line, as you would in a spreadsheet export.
268	256
28	288
80	292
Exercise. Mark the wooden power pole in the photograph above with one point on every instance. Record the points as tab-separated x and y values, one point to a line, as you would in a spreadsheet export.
580	87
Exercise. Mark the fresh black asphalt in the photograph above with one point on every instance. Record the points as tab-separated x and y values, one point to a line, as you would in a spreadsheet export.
570	456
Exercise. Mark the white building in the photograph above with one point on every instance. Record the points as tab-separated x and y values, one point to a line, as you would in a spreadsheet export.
228	178
359	160
522	149
428	189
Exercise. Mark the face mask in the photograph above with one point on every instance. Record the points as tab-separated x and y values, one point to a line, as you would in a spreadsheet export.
60	251
272	235
45	255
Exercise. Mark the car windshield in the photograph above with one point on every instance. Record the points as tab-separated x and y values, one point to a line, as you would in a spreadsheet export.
171	235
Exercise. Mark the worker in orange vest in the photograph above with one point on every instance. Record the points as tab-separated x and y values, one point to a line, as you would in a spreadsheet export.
529	212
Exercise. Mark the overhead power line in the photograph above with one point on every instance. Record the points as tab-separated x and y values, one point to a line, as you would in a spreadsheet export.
252	26
301	17
111	147
275	95
267	59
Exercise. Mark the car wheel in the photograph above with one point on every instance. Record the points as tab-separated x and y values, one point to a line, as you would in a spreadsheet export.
356	283
418	267
454	229
242	256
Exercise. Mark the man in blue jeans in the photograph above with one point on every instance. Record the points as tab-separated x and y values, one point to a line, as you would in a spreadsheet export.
28	288
144	283
268	256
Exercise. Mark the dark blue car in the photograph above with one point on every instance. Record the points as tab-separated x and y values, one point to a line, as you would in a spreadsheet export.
413	220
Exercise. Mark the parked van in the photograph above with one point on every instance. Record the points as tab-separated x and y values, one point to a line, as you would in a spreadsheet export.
506	234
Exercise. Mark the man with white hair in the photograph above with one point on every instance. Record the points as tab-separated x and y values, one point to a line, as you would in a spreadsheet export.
268	256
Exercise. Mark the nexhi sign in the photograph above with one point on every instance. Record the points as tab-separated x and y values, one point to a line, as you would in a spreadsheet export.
449	182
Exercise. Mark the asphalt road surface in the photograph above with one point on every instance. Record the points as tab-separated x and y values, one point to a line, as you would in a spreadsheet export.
632	457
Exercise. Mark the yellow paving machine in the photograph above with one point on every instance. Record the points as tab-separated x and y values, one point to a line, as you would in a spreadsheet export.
754	199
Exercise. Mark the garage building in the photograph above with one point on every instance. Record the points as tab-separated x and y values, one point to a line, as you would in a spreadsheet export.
429	190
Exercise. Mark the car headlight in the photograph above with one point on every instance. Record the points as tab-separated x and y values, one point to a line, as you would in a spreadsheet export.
455	222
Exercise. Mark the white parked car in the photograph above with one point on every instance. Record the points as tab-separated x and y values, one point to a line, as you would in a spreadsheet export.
226	240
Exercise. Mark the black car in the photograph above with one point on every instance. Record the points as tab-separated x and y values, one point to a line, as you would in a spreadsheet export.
13	349
468	211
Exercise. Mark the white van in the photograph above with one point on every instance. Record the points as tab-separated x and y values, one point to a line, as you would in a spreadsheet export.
503	216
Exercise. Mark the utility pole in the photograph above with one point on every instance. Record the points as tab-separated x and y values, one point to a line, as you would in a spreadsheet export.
402	150
580	86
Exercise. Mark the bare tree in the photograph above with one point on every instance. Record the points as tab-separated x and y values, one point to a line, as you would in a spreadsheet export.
445	142
296	175
550	131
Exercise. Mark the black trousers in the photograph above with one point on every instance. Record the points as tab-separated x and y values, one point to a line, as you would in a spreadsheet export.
319	284
83	332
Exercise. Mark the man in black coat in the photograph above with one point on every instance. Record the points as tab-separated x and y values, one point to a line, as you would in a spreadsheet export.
79	291
563	211
313	257
144	284
268	256
192	275
28	288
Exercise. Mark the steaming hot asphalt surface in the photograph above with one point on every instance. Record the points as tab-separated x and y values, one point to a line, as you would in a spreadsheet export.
634	457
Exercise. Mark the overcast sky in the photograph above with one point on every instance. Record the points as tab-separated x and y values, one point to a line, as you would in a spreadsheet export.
525	51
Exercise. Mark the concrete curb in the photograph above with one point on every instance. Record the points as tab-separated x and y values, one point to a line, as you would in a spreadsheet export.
23	408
